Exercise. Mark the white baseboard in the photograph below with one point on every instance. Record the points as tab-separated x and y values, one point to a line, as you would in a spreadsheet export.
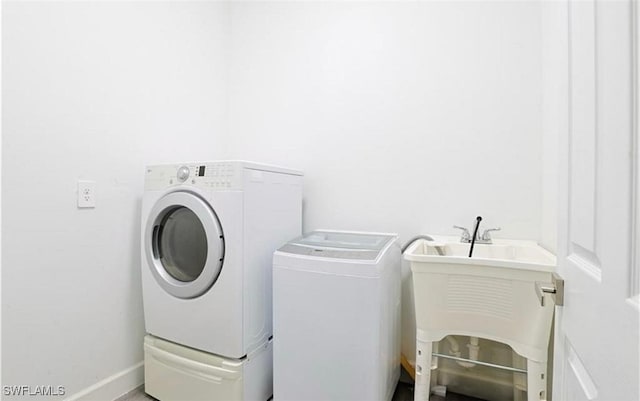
113	386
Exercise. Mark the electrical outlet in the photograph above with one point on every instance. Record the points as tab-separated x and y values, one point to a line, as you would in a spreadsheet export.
86	194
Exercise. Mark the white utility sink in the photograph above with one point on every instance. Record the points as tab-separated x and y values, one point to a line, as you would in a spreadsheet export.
491	295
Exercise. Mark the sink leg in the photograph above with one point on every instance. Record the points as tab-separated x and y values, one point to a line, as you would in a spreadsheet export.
519	379
536	380
423	370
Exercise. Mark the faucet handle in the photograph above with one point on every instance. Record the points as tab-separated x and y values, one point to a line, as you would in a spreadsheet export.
465	236
486	236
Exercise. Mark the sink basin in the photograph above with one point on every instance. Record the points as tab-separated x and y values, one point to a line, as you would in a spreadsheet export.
517	254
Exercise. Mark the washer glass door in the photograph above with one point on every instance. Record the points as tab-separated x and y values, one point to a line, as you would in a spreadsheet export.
184	244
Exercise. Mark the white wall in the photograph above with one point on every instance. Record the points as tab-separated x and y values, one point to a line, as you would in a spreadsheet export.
94	91
554	20
406	117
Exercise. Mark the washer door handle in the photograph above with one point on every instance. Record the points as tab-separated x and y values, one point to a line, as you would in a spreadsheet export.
155	248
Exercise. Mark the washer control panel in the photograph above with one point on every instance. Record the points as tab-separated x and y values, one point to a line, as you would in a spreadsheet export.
216	175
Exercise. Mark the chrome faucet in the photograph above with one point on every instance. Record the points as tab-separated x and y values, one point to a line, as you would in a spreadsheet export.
485	238
465	236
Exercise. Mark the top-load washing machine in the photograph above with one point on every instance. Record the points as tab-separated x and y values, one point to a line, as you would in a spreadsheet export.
336	317
208	234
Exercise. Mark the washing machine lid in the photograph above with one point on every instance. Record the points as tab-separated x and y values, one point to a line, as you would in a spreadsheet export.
339	245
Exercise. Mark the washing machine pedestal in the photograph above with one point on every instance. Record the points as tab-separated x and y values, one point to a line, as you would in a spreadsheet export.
174	372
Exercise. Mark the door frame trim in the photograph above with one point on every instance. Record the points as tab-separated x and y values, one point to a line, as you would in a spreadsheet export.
634	273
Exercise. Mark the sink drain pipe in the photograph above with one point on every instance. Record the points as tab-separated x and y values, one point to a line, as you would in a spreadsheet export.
474	350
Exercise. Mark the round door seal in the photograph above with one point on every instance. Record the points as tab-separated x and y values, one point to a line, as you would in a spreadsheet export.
215	244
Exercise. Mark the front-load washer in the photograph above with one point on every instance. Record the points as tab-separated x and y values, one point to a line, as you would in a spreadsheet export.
336	317
209	231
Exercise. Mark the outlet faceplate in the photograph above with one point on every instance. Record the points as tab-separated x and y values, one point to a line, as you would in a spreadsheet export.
86	194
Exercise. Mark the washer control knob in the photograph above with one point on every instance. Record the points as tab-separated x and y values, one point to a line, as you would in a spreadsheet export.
183	173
